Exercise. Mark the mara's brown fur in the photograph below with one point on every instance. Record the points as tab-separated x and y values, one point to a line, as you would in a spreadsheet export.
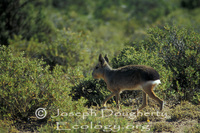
132	77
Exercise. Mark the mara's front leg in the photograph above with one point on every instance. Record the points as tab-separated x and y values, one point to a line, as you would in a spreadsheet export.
110	96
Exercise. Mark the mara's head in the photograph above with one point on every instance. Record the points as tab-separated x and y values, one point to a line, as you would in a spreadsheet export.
101	67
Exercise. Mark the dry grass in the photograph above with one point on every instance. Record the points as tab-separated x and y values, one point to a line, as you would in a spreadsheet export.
162	127
183	117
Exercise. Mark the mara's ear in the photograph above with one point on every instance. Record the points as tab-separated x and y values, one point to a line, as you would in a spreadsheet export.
106	58
101	60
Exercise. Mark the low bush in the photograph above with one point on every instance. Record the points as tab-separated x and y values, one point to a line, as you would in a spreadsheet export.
180	50
26	85
67	50
94	91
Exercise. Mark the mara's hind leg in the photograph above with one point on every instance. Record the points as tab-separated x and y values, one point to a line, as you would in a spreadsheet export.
149	90
118	99
144	103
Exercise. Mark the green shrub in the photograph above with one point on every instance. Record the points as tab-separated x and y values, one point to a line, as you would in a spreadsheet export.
94	91
26	85
180	50
23	85
70	49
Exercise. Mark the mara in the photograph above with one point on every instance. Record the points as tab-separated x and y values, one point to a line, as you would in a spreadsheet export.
131	77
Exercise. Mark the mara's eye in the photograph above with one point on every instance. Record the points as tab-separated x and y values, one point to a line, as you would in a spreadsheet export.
96	67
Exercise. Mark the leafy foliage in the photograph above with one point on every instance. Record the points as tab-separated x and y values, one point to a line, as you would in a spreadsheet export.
180	50
26	86
93	90
68	50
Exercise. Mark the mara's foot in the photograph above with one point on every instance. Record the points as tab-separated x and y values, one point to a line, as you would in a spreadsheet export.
162	105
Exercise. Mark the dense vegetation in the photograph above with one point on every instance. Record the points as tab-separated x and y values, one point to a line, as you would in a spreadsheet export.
48	49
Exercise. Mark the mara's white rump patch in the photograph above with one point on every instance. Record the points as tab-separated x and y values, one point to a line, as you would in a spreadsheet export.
156	82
